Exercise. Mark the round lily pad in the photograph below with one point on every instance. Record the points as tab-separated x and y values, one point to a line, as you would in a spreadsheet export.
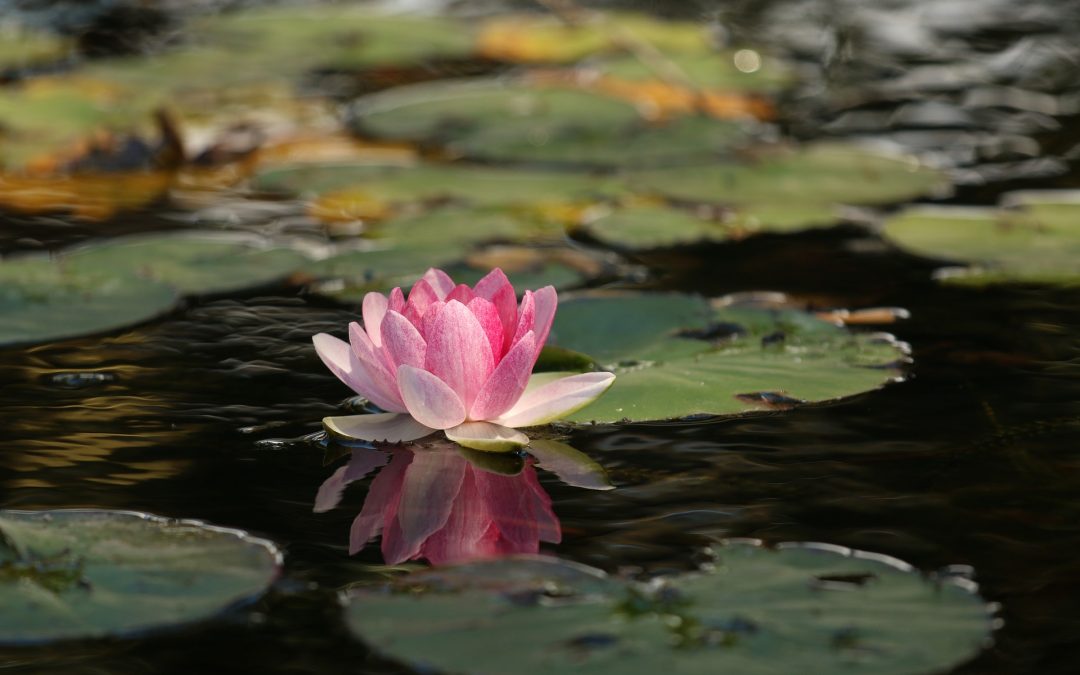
194	262
1037	241
654	226
88	574
800	607
507	120
786	189
675	356
400	184
41	300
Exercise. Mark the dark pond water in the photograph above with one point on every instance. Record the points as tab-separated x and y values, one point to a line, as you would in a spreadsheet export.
973	460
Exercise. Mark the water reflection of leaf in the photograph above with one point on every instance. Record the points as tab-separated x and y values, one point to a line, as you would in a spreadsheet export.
442	503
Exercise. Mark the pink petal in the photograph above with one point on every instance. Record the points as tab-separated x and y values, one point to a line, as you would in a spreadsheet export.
526	316
343	363
397	300
487	437
427	325
431	486
547	300
420	298
402	342
461	293
488	316
430	400
373	364
497	288
440	282
374	308
362	462
381	501
377	428
458	352
556	399
503	389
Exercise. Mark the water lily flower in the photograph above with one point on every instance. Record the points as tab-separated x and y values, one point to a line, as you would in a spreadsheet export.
433	504
456	359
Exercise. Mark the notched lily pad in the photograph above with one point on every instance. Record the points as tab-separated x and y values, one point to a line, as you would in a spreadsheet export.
90	574
818	608
671	363
41	300
512	121
1034	238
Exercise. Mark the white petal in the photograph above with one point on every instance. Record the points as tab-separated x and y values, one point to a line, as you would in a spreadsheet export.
487	437
557	399
381	427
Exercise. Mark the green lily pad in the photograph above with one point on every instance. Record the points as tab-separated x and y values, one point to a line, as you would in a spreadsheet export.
675	356
401	249
787	190
22	48
41	301
194	262
397	184
506	120
90	574
654	226
1038	241
801	607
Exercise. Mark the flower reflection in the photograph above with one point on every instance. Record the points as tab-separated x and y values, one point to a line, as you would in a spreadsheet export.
431	502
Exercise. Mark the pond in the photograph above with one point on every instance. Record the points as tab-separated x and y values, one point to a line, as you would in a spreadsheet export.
831	254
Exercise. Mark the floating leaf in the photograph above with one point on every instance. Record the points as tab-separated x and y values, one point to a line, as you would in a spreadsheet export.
547	39
822	609
41	301
504	120
1038	241
22	48
388	185
194	262
92	574
675	356
642	226
790	189
84	196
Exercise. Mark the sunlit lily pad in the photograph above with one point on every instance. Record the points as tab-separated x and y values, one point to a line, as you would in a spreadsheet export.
90	574
41	300
395	185
1036	241
642	226
194	262
675	356
785	189
504	120
802	607
546	38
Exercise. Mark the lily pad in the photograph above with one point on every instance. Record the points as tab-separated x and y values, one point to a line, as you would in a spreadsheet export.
801	607
675	356
41	300
398	184
512	121
1038	241
75	574
194	262
22	48
545	38
788	189
645	226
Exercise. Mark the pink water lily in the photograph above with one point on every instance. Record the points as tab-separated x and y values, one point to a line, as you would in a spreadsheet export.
456	359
